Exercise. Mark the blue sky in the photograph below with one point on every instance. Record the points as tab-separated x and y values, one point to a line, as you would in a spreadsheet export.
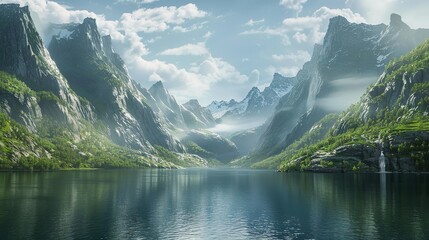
218	50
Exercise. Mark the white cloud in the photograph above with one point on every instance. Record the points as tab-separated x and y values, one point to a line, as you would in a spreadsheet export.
205	80
136	1
326	13
308	28
301	23
281	32
300	37
295	5
413	12
198	49
208	35
265	31
298	56
193	27
252	22
290	71
159	19
154	39
254	77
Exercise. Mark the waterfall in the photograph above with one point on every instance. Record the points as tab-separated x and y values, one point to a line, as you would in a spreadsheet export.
382	162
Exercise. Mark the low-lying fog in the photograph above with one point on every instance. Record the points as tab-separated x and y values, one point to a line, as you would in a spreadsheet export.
344	92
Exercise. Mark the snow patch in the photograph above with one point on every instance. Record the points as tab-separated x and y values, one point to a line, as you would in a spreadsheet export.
63	34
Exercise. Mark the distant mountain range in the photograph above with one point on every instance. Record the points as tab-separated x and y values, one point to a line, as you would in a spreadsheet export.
256	104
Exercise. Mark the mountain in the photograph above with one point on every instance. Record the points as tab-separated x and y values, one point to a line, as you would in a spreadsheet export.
349	60
98	74
388	129
219	108
165	105
256	103
196	116
187	116
213	145
43	92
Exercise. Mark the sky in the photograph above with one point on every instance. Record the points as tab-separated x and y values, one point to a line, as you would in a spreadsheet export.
217	50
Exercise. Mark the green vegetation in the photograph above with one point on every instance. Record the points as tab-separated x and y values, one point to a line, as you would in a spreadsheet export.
193	148
44	96
19	149
22	150
319	132
416	60
366	134
11	84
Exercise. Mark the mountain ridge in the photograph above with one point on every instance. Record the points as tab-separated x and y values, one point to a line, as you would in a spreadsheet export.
330	63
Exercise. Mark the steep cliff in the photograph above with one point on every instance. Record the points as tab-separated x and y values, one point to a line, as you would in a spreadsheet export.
97	73
23	55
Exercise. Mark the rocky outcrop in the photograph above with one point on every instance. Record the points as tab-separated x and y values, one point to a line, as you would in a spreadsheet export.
22	107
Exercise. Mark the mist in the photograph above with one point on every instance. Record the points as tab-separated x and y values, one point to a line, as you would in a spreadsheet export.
344	92
228	127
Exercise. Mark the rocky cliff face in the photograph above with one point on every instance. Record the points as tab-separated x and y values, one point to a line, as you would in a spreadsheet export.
178	117
97	73
351	57
196	116
166	105
291	106
23	54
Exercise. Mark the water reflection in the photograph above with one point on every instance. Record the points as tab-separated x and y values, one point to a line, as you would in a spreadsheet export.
212	203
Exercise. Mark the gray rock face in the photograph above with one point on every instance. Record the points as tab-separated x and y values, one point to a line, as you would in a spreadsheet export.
350	54
203	117
23	108
166	105
400	161
187	116
23	54
98	74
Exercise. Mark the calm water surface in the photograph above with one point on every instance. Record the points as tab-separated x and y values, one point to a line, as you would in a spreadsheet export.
212	204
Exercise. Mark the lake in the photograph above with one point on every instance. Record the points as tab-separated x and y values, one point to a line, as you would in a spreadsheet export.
212	204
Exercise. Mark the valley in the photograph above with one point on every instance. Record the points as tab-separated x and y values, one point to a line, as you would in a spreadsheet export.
72	103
